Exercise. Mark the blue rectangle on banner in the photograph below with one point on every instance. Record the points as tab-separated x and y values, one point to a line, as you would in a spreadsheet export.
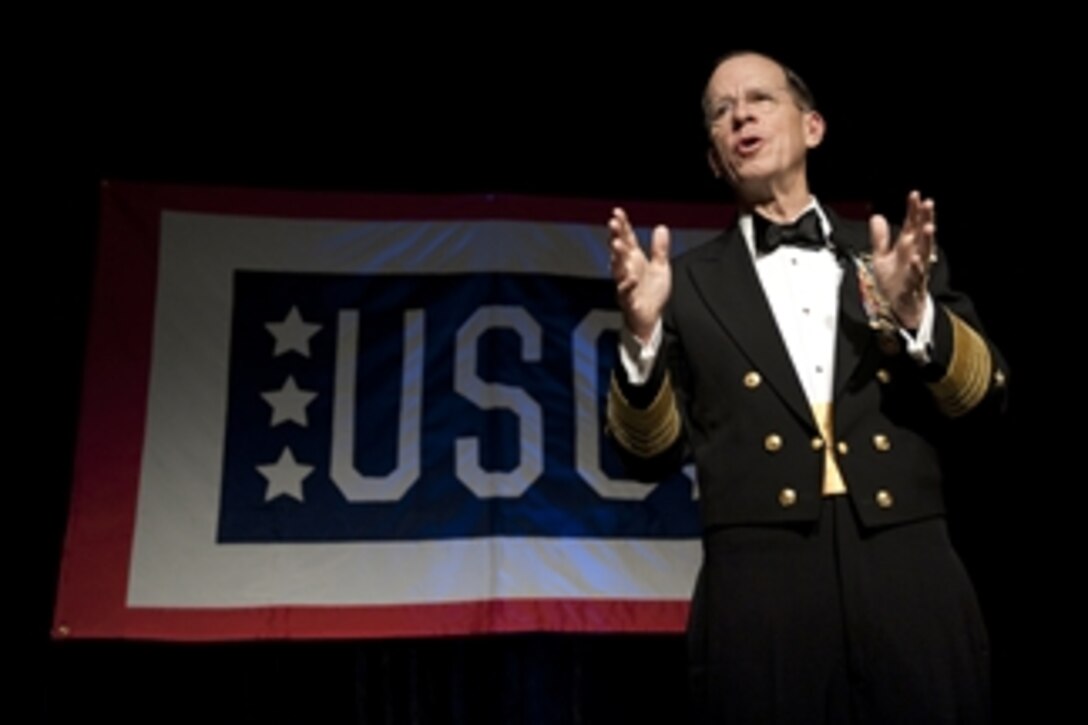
413	407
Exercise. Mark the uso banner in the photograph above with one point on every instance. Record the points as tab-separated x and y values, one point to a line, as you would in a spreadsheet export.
346	415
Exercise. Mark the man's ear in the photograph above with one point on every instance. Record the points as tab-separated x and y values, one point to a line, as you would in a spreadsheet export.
715	162
815	128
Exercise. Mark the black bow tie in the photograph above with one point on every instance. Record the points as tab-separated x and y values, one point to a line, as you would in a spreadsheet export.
807	232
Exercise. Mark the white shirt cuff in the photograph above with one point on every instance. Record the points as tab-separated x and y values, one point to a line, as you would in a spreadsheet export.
920	343
638	357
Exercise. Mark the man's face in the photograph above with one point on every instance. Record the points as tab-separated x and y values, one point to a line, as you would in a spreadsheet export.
759	134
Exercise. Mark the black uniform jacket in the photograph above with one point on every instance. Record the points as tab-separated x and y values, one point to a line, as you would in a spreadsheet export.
724	392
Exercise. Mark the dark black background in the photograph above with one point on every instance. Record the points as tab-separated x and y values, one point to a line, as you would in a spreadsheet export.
526	105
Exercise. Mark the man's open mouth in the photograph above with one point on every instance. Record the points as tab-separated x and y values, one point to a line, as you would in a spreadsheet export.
748	145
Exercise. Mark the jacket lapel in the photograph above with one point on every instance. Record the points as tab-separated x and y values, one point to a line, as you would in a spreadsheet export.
853	334
726	280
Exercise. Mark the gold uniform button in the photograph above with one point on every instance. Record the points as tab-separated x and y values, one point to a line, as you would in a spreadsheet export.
772	443
881	443
817	443
884	499
842	448
787	497
752	379
883	376
999	379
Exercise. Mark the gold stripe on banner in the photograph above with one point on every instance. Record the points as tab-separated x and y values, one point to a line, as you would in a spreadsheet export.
647	431
965	382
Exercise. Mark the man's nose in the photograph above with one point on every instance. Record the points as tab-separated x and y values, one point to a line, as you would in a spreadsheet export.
742	113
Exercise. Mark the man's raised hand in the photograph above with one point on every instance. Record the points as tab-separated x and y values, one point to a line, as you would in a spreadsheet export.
902	269
642	283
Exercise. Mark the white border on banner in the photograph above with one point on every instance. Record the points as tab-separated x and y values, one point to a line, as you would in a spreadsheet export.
176	561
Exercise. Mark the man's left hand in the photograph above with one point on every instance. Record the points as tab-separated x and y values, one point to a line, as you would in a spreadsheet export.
902	269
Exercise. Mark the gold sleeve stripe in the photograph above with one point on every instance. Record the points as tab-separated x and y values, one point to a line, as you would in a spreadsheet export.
647	431
967	379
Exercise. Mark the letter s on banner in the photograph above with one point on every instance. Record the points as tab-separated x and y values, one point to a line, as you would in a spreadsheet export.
489	396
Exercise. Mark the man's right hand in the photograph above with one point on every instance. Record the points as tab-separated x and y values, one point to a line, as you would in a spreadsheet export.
642	283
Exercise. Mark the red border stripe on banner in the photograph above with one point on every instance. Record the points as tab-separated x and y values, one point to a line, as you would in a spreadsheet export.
91	599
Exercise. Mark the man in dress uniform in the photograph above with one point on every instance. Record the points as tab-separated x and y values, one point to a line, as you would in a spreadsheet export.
816	370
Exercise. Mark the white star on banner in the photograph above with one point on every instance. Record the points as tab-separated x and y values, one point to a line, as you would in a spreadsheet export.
293	334
285	476
289	403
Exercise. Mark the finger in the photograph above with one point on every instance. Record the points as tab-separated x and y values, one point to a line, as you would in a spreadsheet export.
879	234
929	211
621	266
917	277
925	217
918	232
621	227
924	243
923	255
627	264
619	246
619	216
914	210
616	229
930	231
659	244
615	259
